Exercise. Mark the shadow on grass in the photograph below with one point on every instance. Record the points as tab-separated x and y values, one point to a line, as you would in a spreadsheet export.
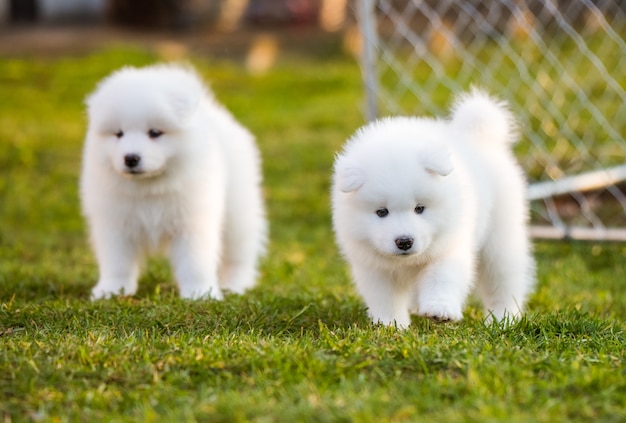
256	312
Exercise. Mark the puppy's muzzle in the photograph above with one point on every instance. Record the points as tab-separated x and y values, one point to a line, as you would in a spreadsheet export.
404	243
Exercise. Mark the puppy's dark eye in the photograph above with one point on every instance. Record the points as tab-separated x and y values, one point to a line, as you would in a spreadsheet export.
419	209
382	212
119	134
154	133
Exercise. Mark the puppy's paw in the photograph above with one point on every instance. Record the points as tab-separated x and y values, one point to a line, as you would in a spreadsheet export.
440	312
110	289
503	315
201	293
102	294
239	285
399	321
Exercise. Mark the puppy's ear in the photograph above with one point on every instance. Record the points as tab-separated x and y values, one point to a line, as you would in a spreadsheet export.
348	176
437	161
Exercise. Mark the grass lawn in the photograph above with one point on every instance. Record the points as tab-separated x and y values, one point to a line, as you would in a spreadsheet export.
298	347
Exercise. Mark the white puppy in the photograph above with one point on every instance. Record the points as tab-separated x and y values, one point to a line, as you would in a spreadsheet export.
165	166
424	208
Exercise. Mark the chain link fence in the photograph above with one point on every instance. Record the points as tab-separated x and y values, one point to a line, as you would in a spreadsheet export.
560	64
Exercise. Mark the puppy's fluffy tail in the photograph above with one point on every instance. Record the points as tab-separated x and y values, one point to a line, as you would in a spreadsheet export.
484	118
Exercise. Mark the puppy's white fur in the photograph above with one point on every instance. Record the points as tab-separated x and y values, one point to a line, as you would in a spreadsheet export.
470	226
195	191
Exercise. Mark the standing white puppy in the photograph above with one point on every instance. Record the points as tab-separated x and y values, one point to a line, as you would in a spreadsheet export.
165	166
424	209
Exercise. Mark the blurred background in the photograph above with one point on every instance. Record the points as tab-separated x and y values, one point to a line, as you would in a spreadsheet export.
58	24
184	14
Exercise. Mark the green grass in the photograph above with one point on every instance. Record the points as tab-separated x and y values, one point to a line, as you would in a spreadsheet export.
298	347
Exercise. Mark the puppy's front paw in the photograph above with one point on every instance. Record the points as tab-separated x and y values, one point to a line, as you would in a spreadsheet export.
238	286
441	312
398	323
399	320
504	315
102	294
109	289
201	293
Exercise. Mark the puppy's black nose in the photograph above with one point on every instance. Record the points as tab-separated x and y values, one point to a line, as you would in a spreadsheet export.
404	243
132	160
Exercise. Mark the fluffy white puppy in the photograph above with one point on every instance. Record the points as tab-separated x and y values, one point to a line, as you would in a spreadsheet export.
165	167
424	209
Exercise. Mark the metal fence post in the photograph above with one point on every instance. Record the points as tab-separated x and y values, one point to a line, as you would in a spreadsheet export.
367	26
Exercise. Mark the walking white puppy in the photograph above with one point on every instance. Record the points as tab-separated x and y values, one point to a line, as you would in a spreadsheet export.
166	167
424	209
